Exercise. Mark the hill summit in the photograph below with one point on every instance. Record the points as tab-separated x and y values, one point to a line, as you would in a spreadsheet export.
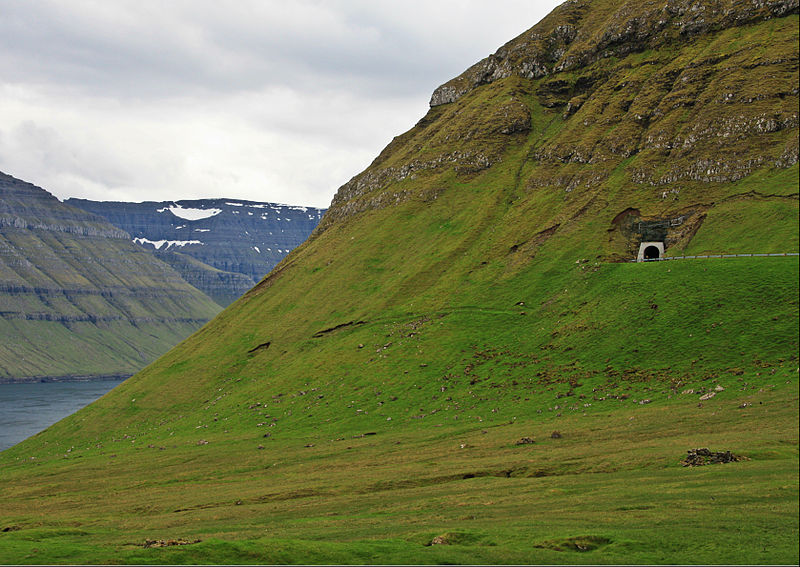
463	364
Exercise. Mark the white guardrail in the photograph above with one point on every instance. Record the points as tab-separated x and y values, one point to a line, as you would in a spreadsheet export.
713	256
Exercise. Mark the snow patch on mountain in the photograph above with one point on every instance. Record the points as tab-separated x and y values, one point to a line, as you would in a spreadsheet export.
165	243
189	213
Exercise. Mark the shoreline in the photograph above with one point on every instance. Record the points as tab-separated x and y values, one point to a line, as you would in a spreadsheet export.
64	378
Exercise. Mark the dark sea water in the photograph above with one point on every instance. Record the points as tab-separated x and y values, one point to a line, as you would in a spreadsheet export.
26	409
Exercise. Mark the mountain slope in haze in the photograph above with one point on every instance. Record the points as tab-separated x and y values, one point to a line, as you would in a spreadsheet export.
461	365
79	299
241	241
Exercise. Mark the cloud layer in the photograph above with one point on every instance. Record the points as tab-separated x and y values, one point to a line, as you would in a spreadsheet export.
263	100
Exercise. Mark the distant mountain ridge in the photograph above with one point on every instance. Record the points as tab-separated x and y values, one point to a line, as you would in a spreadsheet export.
240	240
77	297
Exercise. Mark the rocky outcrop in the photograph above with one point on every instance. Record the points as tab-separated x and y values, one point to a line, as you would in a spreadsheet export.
77	297
221	246
575	35
703	456
668	101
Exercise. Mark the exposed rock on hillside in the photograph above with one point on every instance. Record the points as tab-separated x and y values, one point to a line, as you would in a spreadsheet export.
77	297
667	102
221	246
578	34
701	457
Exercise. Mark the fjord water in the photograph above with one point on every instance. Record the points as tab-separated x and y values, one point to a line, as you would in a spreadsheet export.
26	409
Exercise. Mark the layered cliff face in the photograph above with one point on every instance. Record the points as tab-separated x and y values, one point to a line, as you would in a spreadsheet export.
240	240
222	286
77	297
462	355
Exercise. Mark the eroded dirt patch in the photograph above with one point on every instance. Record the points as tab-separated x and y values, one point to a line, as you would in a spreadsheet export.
577	543
167	542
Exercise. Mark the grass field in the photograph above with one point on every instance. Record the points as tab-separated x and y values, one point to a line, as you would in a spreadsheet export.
422	442
612	484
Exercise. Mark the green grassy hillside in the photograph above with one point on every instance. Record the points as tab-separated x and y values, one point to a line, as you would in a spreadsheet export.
369	400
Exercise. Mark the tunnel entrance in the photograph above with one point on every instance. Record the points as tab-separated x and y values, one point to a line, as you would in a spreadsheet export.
650	251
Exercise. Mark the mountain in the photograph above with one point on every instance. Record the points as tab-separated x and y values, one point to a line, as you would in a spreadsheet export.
79	299
463	363
241	241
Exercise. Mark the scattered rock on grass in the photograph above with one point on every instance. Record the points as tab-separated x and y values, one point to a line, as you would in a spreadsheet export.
555	435
703	456
168	542
526	441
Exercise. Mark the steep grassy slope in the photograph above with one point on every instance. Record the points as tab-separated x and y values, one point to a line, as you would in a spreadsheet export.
366	401
77	298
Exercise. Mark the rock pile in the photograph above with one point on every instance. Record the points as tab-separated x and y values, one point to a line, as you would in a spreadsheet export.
700	457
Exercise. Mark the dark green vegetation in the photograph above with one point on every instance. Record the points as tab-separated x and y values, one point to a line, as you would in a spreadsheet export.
78	298
367	401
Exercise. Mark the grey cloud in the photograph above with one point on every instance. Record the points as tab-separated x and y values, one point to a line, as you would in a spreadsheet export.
155	48
44	148
259	99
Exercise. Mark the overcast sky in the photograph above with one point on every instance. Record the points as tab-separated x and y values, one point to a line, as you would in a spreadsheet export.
280	101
